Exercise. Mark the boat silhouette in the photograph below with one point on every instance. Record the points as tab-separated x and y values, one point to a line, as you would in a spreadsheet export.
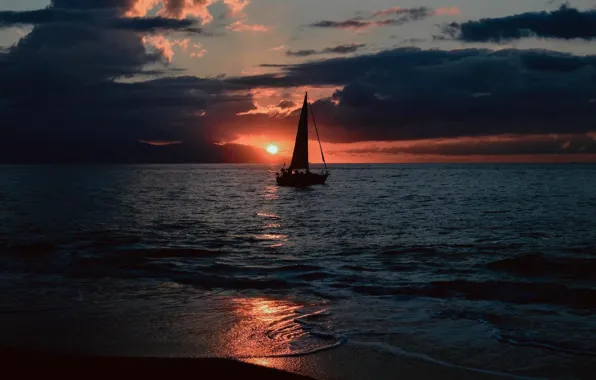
299	174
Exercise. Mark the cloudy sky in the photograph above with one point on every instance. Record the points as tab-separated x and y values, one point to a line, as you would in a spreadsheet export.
219	80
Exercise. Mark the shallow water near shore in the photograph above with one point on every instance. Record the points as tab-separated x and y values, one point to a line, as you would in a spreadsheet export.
484	267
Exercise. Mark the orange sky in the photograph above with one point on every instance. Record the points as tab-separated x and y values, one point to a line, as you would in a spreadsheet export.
376	151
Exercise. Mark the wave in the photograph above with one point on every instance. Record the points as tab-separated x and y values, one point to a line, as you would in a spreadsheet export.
517	341
401	352
508	330
340	341
535	235
502	291
306	329
359	268
297	268
413	249
535	265
106	239
519	292
583	250
312	276
233	283
175	253
214	276
463	249
128	256
31	249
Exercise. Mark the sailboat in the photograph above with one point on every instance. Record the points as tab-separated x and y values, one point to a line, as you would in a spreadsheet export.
299	174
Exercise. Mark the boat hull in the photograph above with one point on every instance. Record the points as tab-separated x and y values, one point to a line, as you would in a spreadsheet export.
302	180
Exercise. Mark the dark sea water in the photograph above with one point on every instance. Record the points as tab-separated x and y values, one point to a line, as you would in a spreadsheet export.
490	267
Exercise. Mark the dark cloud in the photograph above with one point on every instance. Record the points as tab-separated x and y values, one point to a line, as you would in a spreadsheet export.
121	5
400	16
409	14
340	49
77	51
301	53
49	117
103	18
410	93
563	23
495	146
152	24
63	98
344	49
346	24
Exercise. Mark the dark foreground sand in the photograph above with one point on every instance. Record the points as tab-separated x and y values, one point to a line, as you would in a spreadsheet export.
331	365
25	364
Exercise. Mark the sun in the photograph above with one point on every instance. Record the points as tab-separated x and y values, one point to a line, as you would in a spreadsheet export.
272	149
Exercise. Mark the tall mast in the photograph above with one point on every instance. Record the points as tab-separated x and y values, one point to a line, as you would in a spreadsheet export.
318	138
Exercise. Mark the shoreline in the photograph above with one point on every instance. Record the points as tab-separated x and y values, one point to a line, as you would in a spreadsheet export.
28	362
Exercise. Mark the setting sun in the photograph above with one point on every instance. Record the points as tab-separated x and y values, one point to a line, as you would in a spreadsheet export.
272	149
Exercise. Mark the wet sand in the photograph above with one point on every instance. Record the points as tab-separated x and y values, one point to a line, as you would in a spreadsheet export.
350	362
343	363
30	364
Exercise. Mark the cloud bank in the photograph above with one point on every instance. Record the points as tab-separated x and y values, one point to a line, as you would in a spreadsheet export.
106	19
410	93
563	23
398	16
339	49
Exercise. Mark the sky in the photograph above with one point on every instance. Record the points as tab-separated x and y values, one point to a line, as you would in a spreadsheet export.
220	80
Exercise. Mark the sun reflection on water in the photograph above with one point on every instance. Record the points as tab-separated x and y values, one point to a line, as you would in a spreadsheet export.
276	238
262	327
271	237
271	193
275	329
268	215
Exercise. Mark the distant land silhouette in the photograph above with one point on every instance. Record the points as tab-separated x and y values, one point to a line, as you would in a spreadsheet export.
41	152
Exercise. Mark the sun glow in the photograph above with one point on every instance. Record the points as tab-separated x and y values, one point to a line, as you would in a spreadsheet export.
272	149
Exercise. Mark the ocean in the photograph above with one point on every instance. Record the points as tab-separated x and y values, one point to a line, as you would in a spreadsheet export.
485	268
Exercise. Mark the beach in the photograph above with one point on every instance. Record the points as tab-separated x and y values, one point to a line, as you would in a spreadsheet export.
35	363
18	360
151	327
